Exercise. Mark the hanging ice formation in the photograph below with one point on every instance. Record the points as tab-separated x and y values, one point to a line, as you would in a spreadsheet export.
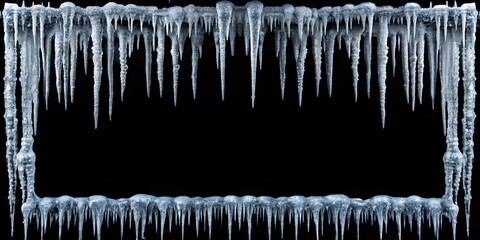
450	45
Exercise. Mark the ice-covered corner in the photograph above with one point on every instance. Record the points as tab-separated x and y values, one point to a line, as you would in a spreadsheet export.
445	35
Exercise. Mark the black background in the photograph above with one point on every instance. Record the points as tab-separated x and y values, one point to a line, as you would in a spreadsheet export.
208	147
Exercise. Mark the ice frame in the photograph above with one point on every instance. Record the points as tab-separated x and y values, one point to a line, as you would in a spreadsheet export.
449	31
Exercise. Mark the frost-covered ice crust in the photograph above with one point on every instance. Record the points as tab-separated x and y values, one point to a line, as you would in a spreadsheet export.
446	34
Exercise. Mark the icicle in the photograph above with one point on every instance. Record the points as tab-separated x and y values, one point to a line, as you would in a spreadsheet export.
81	205
147	41
453	158
175	63
381	206
68	12
254	14
58	61
181	40
260	46
25	158
163	205
468	121
405	63
300	50
382	56
315	204
317	56
266	205
356	34
398	207
139	205
393	46
233	33
110	12
329	48
197	41
160	55
183	205
9	98
198	206
231	203
288	10
367	54
97	207
297	205
432	62
86	39
420	42
176	15
303	15
122	35
224	16
73	61
64	206
35	75
282	59
413	70
95	14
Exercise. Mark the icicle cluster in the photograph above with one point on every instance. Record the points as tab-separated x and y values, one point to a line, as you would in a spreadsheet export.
338	210
447	34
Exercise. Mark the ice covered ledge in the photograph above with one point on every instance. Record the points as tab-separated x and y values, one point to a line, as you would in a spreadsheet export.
449	32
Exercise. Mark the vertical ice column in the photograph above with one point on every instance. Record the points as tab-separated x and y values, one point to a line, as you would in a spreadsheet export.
95	15
469	98
453	158
25	158
254	16
224	18
9	98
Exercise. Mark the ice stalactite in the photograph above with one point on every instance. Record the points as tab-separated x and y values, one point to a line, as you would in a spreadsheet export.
95	16
254	18
224	13
356	34
300	53
317	37
329	49
382	59
447	34
11	125
453	158
420	42
469	96
282	52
